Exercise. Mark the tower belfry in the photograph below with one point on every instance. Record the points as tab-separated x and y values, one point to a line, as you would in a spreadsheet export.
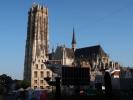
73	41
36	50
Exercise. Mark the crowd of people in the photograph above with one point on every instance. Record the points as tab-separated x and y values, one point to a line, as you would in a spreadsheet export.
31	95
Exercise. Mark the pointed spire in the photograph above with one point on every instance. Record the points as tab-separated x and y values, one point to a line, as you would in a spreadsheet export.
73	41
73	38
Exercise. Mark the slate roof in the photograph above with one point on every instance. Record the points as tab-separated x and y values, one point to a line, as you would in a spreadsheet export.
87	52
90	52
69	52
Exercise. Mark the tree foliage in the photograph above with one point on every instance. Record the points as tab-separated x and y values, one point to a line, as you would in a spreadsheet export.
5	83
22	84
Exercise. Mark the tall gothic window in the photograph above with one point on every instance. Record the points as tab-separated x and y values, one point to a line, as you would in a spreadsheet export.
41	74
36	66
48	74
42	66
35	74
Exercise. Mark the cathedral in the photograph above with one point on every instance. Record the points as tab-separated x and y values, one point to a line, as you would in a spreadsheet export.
93	57
36	50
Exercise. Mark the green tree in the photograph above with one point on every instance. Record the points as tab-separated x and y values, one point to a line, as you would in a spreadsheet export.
22	84
25	84
5	83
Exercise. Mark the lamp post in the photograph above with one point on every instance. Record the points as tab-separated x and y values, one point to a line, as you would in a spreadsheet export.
57	84
58	89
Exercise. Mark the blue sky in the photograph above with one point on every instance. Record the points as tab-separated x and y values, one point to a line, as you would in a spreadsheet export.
105	22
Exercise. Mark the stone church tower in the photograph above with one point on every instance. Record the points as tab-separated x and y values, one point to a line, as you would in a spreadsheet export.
36	50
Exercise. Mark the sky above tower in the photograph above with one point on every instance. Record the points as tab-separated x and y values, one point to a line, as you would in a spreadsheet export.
105	22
